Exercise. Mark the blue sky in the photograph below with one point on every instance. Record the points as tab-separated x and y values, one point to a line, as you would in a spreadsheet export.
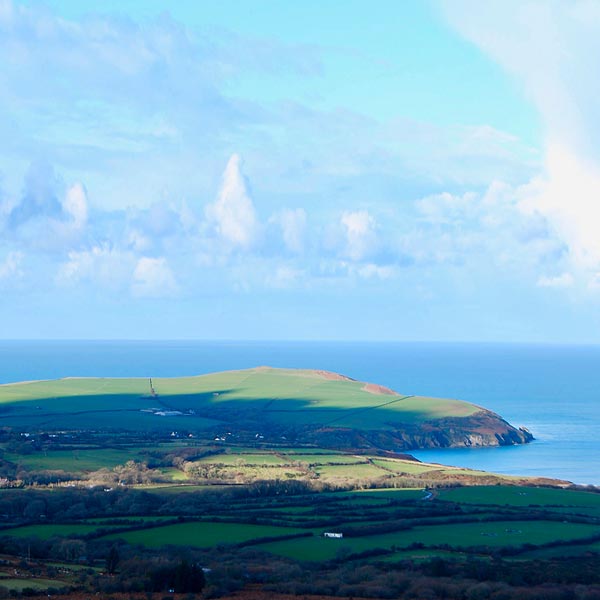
280	170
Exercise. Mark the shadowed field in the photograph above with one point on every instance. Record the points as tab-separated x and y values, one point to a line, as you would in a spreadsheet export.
322	407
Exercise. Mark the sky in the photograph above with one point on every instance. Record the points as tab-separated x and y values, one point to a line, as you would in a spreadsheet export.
420	170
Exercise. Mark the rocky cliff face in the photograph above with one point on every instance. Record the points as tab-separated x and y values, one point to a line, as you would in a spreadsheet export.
484	428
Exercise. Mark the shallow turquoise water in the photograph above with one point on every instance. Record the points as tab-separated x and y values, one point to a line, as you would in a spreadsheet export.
552	390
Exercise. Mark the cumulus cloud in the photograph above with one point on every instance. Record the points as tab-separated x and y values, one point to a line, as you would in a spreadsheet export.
447	208
553	48
46	216
10	268
40	196
374	271
285	276
154	278
495	225
75	205
359	233
233	214
104	266
293	228
564	280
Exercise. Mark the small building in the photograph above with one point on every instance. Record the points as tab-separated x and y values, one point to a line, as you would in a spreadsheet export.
331	534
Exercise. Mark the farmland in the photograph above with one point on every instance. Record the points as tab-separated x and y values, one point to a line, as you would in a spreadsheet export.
367	518
267	528
277	405
244	473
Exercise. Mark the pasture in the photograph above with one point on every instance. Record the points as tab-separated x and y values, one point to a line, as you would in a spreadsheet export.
46	532
520	496
276	396
459	536
201	534
395	524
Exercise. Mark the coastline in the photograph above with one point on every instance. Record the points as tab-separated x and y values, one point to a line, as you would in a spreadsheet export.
552	390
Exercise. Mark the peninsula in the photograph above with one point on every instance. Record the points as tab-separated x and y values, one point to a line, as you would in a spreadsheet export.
267	405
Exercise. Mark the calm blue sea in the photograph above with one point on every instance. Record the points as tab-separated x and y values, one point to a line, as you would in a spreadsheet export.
552	390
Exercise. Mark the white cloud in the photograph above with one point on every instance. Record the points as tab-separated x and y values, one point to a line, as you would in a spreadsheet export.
104	266
153	277
559	281
293	228
447	208
10	268
569	197
233	214
553	48
373	271
359	232
285	277
75	205
496	226
138	241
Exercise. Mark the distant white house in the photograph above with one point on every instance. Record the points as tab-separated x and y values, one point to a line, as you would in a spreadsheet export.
331	534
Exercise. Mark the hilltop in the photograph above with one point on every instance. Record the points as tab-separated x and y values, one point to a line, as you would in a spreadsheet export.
262	405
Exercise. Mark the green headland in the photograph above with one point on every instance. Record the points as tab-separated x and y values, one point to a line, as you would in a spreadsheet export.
272	483
266	404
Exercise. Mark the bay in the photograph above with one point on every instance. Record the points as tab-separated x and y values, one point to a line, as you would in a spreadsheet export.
552	390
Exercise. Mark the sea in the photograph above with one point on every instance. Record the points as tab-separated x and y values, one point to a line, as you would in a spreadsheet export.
552	390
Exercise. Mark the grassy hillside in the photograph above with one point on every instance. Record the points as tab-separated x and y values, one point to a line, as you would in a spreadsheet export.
318	406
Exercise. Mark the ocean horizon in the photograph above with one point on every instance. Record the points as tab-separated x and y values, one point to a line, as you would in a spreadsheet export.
553	390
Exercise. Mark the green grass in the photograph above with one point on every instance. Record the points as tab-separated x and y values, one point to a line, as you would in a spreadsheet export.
499	525
201	535
278	395
178	488
77	460
106	521
174	474
45	532
18	585
494	534
404	466
327	459
245	458
522	496
349	472
388	493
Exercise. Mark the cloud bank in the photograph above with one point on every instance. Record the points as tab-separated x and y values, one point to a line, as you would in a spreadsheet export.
141	168
553	50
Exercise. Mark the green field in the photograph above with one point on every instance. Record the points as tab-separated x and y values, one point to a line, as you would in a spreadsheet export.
39	584
383	494
404	466
345	472
201	535
211	464
526	522
460	535
277	395
495	534
320	458
519	496
47	531
246	458
77	460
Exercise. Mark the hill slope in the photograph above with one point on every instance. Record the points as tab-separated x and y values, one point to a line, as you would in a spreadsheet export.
264	404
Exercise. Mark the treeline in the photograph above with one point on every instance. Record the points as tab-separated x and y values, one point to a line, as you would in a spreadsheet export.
72	504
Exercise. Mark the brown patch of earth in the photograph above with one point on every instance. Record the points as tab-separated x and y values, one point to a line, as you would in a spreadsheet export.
333	376
373	388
